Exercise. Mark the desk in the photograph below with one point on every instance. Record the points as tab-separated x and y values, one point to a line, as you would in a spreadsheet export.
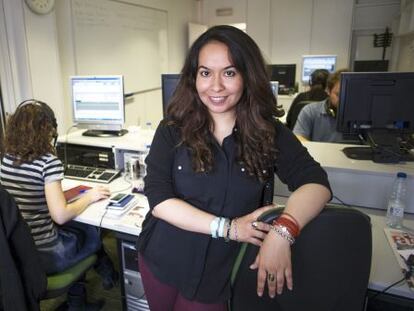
136	139
132	292
384	268
356	182
286	101
96	214
360	183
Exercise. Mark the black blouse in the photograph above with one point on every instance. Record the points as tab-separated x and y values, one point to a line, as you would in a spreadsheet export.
198	265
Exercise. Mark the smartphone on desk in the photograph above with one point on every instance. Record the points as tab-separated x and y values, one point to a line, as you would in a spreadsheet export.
117	198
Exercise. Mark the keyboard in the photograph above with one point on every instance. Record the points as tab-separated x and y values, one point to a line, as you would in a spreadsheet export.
87	173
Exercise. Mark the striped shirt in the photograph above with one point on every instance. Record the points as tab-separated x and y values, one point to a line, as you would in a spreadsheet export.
26	183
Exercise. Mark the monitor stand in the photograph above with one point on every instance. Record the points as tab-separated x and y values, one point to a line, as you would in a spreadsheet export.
104	133
384	148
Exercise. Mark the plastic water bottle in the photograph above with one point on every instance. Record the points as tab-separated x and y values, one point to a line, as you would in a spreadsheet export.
396	202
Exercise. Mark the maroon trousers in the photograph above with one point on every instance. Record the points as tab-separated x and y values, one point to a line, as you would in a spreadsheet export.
162	297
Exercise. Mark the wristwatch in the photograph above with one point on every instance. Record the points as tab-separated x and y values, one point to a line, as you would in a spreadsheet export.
40	6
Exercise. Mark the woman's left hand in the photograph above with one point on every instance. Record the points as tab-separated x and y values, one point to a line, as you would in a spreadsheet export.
274	265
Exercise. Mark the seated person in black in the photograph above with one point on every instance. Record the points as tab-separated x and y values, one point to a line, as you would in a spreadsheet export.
317	83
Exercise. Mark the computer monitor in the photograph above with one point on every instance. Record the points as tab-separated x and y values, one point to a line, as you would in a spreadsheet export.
378	106
312	62
169	83
98	104
285	74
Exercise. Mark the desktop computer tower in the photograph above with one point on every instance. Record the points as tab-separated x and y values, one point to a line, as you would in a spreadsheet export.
133	289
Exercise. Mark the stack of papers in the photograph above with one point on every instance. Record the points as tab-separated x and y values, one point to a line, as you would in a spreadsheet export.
118	209
134	217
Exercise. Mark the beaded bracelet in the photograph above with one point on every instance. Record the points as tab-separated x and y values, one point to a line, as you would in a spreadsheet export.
228	227
284	233
290	225
236	237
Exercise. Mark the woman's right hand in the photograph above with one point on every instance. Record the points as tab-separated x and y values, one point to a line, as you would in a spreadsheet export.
98	193
248	229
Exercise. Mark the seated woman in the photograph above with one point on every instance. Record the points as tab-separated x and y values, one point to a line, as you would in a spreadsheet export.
32	174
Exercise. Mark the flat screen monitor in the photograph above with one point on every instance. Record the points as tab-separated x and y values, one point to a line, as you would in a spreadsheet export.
379	107
98	104
370	65
285	74
312	62
169	83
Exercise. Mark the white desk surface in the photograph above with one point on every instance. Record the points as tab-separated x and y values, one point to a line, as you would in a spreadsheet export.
361	183
97	215
385	269
136	139
330	155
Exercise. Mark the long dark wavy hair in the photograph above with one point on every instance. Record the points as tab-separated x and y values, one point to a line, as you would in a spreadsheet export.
29	132
255	111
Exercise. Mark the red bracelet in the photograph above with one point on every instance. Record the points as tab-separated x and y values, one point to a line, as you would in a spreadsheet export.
291	217
289	224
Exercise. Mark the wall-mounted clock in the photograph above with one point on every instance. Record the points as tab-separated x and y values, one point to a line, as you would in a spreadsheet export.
40	6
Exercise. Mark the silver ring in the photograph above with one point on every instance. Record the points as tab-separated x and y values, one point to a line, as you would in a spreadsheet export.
270	277
254	224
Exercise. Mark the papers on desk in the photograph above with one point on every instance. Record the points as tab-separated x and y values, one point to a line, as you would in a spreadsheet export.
119	209
134	217
402	244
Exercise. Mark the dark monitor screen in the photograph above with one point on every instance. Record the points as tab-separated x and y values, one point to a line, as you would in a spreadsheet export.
285	74
169	83
370	65
379	106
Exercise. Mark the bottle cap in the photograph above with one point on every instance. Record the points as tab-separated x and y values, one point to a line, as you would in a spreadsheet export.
401	175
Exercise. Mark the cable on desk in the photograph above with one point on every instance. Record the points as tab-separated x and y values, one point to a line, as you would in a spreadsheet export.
407	275
124	189
100	222
338	199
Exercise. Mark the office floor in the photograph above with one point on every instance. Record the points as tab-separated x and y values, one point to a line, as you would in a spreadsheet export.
94	288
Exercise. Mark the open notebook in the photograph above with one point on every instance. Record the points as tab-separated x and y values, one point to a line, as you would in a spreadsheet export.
75	193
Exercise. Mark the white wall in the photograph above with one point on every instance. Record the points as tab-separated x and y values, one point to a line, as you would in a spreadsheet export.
287	29
39	58
146	106
372	17
403	54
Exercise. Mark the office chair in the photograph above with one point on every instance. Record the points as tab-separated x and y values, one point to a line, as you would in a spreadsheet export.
22	280
293	113
331	262
59	283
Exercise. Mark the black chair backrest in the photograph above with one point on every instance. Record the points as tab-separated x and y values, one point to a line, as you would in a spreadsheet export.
293	113
331	261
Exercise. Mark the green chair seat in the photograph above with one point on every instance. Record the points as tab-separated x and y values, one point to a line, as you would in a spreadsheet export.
58	283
